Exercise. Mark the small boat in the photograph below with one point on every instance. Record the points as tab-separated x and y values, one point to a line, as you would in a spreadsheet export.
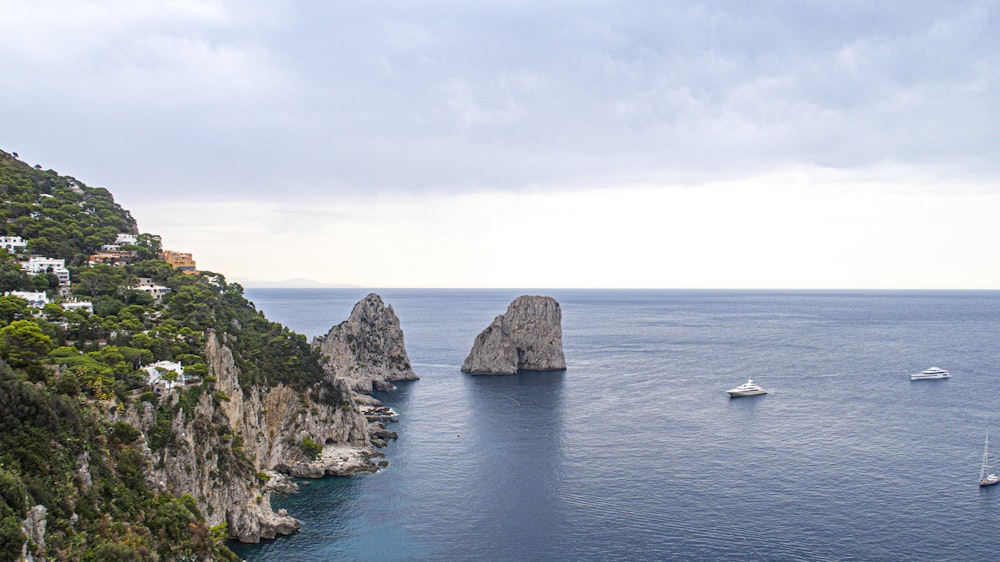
984	478
748	388
932	373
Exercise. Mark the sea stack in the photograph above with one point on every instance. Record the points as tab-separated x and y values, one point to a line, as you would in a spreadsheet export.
367	349
527	337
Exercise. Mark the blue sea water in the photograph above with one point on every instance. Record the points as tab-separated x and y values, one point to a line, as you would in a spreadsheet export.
635	452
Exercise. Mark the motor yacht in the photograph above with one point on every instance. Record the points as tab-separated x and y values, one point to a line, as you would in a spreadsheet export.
748	388
932	373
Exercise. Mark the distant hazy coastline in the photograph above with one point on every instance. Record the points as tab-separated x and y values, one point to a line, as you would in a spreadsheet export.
297	283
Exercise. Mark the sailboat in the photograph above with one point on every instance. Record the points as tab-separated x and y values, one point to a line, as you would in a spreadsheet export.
984	478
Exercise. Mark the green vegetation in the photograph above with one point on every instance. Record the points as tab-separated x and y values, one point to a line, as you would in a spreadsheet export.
57	215
63	371
311	448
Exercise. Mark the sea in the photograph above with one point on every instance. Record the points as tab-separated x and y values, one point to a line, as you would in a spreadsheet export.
636	452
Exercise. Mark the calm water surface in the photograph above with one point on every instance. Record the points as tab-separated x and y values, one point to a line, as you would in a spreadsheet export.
636	453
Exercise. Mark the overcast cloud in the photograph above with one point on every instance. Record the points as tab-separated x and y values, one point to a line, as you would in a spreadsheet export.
346	96
323	101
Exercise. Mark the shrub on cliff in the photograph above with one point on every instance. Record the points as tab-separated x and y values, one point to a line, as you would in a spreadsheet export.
311	448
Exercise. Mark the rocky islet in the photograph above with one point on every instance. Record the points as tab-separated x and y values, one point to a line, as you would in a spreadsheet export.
367	350
527	337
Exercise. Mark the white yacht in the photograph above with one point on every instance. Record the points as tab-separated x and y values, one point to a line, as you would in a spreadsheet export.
932	373
748	388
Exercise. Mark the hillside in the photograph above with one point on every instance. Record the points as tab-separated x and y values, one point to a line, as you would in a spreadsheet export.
108	451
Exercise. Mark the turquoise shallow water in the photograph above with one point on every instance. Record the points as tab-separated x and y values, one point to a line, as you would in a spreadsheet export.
636	453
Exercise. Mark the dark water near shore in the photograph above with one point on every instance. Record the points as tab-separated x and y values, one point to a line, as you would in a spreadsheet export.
636	453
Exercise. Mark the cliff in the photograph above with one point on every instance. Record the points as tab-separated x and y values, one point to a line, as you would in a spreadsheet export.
221	447
526	337
367	349
231	447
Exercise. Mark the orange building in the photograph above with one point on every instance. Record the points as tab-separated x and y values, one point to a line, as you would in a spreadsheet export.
112	258
180	260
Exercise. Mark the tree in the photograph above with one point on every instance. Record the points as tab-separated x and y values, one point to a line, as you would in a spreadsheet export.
155	269
102	280
167	375
12	278
68	383
41	246
11	538
151	242
136	356
22	343
53	312
12	308
141	298
42	282
196	370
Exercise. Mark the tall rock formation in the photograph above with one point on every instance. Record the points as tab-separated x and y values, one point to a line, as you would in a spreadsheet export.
526	337
367	349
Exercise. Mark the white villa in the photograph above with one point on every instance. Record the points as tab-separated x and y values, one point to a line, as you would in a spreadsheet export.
123	238
38	264
11	243
35	299
79	305
156	371
157	291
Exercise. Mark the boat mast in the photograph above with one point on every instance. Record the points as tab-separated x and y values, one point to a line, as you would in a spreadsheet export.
986	454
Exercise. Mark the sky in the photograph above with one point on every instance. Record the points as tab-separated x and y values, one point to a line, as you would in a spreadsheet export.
605	144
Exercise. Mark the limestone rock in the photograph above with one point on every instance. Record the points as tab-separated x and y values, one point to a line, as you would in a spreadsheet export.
33	528
367	349
333	461
268	423
493	352
526	337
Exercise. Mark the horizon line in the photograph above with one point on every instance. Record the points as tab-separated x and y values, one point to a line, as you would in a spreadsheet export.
527	288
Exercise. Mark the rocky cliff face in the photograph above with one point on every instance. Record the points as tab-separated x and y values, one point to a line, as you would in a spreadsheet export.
526	337
229	447
221	448
367	349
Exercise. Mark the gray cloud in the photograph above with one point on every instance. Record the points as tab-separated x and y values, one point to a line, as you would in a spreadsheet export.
342	97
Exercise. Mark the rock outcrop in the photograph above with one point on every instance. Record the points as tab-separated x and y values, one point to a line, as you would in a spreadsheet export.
33	528
527	337
367	349
231	446
221	447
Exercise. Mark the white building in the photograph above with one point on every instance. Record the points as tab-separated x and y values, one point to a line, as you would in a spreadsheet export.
123	238
12	243
126	238
156	371
36	265
35	299
79	305
157	291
